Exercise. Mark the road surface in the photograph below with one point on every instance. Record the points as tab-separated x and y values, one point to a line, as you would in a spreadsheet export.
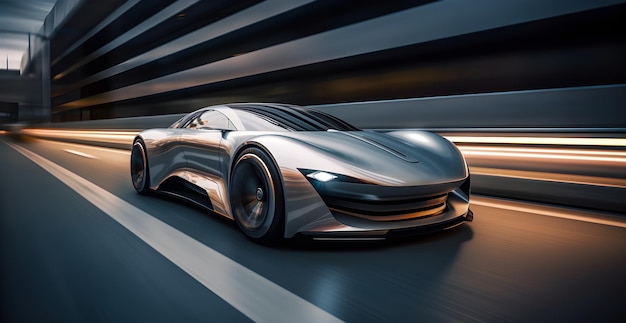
78	244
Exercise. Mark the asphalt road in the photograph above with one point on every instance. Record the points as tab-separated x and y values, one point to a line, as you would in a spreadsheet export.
139	258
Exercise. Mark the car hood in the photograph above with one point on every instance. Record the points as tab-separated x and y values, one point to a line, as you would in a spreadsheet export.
398	158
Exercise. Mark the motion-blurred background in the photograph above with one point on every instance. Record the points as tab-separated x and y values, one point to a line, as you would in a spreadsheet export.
533	92
505	80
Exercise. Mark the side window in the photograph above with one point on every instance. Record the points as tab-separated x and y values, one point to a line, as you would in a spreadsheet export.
187	120
211	119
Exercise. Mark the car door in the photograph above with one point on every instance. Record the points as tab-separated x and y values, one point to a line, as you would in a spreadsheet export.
201	141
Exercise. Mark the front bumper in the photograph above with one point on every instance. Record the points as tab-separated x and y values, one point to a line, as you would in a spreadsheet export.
362	211
375	235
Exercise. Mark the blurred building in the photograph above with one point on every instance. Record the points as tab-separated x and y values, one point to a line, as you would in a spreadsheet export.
119	58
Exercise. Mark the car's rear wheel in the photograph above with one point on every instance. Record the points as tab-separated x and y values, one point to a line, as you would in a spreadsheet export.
256	196
139	167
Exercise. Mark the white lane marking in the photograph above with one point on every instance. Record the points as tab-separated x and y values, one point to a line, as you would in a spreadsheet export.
252	294
605	220
78	153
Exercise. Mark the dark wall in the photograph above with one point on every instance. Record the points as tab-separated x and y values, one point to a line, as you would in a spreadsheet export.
24	92
8	112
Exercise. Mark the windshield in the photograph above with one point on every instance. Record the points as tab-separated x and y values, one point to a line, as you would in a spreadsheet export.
280	117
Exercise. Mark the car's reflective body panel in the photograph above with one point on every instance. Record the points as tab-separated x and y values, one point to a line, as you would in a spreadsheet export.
396	180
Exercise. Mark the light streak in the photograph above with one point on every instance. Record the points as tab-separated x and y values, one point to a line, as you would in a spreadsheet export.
512	153
123	137
550	177
550	211
614	142
580	154
546	150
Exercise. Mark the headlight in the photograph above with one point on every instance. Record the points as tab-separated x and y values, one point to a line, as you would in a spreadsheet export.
322	176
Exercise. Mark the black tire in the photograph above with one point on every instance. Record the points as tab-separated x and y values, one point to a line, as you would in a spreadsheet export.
256	197
139	173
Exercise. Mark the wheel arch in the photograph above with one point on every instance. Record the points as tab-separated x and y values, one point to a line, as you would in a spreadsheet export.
246	145
255	144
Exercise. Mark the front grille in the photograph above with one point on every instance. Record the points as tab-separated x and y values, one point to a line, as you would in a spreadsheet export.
390	210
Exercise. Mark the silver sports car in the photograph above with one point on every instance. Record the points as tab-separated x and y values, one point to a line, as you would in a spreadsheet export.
281	171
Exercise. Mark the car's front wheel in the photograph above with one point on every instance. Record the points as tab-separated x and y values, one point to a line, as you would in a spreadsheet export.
139	167
256	196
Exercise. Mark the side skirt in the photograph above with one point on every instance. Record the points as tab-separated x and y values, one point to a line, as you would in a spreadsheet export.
181	189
